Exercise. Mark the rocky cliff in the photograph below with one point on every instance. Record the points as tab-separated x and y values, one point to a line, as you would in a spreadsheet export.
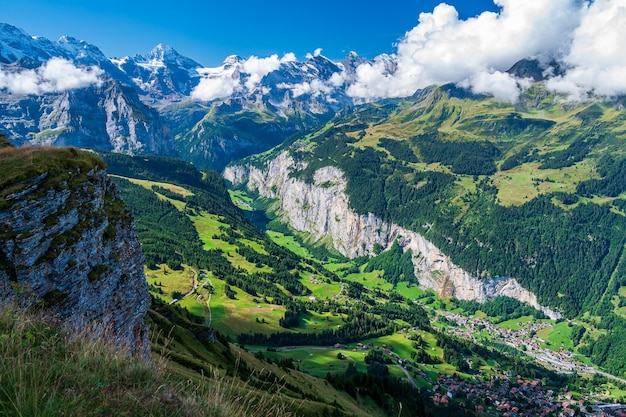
110	117
67	244
322	210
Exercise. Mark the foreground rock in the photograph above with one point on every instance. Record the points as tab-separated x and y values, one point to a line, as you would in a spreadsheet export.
67	244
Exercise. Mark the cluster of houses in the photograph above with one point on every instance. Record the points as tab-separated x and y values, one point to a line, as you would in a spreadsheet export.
517	398
560	359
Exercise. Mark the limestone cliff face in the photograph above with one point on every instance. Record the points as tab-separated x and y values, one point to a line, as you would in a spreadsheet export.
322	210
110	117
67	243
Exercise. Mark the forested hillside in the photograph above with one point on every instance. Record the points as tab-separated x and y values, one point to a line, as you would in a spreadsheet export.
529	190
345	322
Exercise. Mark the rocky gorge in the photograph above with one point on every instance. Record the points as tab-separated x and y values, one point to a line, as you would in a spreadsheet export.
321	209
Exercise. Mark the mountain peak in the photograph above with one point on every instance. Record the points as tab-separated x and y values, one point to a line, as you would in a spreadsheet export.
8	29
163	52
13	42
232	60
75	48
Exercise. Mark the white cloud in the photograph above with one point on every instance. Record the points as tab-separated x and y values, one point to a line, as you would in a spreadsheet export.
596	60
225	80
315	53
313	88
444	49
214	86
257	68
501	85
55	75
337	79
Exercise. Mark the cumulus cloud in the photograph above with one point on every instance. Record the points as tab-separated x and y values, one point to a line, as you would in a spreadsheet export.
236	75
586	39
217	86
315	53
501	85
596	60
314	88
475	52
55	75
257	68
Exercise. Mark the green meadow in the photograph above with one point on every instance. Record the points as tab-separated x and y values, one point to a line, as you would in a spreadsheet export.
169	280
290	243
514	324
558	336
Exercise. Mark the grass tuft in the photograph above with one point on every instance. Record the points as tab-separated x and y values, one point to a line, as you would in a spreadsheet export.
45	372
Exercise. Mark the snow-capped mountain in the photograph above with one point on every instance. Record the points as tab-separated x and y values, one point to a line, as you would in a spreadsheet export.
247	106
162	76
68	93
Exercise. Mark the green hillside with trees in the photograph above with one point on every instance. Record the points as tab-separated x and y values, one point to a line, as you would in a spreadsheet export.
532	190
301	315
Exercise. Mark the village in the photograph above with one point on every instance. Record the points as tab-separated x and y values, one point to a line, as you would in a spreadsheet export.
510	395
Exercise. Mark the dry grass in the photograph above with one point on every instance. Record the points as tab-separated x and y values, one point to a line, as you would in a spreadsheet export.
45	372
21	165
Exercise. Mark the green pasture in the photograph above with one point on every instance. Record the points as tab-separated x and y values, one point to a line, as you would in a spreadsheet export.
194	305
148	184
527	181
312	321
412	292
370	280
217	298
255	246
514	324
397	342
318	361
241	199
240	261
208	225
180	205
337	266
558	335
169	280
320	289
289	242
233	317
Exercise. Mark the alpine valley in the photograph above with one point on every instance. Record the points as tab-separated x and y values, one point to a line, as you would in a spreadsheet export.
306	252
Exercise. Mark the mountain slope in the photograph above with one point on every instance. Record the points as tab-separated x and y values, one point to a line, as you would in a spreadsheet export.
255	111
500	189
161	76
68	93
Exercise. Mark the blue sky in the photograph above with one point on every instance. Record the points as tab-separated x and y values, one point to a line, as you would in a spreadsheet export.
208	31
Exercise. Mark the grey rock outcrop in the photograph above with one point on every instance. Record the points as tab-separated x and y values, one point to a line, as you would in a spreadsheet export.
110	117
70	248
322	210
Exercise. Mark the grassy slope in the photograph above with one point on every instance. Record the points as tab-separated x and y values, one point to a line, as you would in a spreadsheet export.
44	372
21	165
476	120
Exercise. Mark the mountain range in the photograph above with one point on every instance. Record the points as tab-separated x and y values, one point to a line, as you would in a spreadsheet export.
68	93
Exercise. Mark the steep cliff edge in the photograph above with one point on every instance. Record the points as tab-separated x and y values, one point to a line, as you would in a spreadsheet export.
322	210
67	244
